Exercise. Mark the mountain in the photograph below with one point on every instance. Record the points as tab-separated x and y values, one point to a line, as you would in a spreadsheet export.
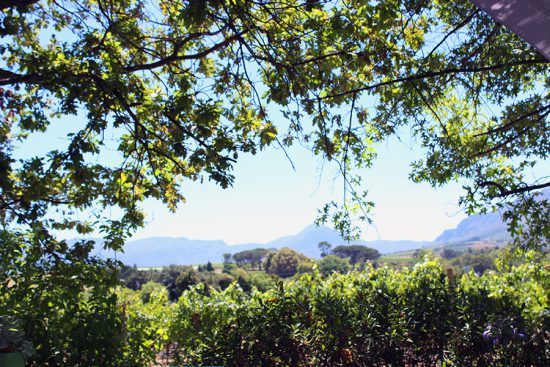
160	251
307	240
483	227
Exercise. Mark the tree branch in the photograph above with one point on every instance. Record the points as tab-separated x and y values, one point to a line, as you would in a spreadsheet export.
502	144
433	74
504	192
508	124
200	141
8	77
175	57
5	4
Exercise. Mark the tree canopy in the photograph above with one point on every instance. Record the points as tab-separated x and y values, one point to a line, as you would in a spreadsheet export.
333	264
187	88
283	262
356	253
251	257
325	248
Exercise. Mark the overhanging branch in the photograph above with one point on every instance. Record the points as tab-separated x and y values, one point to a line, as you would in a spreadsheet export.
504	192
8	77
433	74
5	4
176	57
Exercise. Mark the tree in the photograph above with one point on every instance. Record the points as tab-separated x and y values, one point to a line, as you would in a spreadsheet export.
449	253
184	86
478	109
250	257
284	262
177	279
356	253
242	258
324	247
209	266
333	264
257	256
227	259
136	279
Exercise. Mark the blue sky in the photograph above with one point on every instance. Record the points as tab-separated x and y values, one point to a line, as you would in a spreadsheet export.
269	199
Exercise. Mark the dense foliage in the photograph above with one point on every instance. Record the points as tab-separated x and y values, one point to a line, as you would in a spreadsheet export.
422	317
247	318
356	253
187	88
477	260
66	304
333	264
284	262
253	258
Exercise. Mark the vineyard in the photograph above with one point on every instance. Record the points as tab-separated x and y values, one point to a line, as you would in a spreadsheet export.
110	109
376	317
76	312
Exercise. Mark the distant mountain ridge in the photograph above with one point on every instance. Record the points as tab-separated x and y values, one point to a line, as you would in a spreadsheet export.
482	227
160	251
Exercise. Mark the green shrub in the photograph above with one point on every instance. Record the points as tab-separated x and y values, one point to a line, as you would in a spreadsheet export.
333	264
261	281
65	300
374	317
148	288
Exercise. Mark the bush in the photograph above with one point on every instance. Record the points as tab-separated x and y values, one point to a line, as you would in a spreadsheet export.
261	281
150	287
224	281
177	279
374	317
333	264
65	300
283	263
305	267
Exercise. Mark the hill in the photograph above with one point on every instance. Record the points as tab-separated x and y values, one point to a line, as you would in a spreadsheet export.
160	251
484	227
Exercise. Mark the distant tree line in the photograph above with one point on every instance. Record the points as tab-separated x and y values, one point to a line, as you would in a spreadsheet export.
248	258
250	268
354	253
460	259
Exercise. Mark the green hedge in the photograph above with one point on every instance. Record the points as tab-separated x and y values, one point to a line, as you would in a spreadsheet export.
374	317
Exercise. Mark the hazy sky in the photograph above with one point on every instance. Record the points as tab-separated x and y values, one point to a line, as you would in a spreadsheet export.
269	200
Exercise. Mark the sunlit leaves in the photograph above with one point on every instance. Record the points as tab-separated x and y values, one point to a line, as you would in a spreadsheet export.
188	88
378	316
